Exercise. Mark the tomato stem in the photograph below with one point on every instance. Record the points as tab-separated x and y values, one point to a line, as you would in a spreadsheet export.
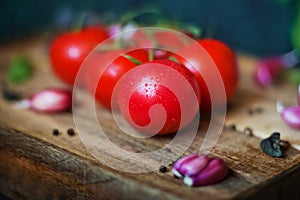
151	54
119	43
173	59
78	24
132	59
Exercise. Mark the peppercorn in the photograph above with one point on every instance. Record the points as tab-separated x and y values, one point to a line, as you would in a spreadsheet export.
71	131
55	132
163	169
10	95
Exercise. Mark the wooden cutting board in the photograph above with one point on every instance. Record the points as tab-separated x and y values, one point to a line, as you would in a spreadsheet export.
35	164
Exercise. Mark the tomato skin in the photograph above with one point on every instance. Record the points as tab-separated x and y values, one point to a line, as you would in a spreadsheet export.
112	74
68	51
149	92
226	62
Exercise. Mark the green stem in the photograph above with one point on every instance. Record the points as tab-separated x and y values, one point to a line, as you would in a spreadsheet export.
119	43
151	54
78	24
132	59
173	59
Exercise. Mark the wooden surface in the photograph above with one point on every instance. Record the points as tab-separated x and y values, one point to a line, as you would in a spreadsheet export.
38	165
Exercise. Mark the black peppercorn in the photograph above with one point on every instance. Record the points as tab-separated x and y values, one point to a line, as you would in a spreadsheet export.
10	95
71	132
55	132
163	169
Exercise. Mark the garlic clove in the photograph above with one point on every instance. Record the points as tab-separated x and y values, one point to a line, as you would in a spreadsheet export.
178	164
48	101
291	116
21	105
194	166
267	70
215	171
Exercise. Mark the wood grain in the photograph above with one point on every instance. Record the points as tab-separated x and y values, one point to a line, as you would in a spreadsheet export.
254	108
35	164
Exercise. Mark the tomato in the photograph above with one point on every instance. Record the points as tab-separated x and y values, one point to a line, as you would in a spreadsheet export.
112	73
146	86
68	50
161	54
226	62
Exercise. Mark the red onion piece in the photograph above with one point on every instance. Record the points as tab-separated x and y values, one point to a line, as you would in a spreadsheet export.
290	115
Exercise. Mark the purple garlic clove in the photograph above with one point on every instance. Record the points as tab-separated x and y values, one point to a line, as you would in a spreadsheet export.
114	30
290	115
190	165
49	101
214	172
267	70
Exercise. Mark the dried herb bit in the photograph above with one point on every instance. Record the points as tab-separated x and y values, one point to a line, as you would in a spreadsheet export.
167	149
20	70
253	111
248	131
55	132
232	127
163	169
271	145
71	132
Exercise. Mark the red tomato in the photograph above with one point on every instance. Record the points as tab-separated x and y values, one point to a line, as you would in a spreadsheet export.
161	54
68	51
226	62
112	73
147	86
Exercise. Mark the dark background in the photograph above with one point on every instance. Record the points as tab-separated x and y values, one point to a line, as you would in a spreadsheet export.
256	27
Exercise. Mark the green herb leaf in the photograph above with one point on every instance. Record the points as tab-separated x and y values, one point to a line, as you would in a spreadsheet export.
20	70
